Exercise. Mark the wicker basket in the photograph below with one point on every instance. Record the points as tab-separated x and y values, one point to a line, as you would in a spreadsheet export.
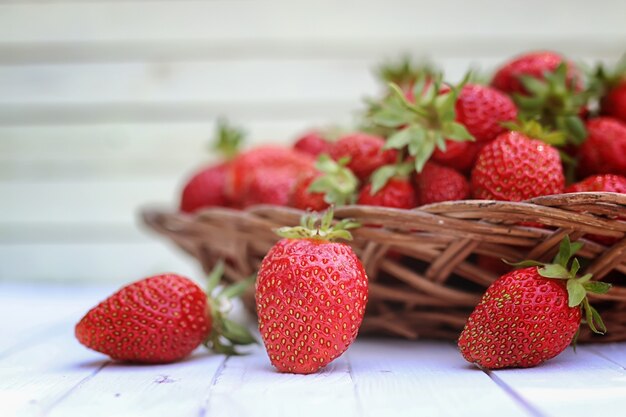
423	264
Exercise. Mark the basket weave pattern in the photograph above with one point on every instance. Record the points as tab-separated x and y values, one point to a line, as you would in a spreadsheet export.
422	264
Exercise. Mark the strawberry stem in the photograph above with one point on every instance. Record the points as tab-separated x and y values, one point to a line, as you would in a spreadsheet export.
320	227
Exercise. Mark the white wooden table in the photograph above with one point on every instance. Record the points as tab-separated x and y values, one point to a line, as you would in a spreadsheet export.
45	372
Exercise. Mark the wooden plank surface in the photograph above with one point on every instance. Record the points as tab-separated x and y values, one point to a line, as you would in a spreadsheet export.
45	372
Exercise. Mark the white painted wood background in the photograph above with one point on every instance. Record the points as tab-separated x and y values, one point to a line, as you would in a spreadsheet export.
45	372
107	105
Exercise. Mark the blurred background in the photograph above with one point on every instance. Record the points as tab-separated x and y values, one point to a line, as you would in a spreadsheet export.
107	105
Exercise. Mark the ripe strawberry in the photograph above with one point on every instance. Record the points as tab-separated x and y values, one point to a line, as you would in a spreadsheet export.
438	183
207	187
604	151
396	193
313	143
265	175
482	110
530	315
365	152
310	296
458	155
533	64
613	104
332	183
162	319
515	167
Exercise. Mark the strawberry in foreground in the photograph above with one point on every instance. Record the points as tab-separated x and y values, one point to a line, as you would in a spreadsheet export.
311	294
162	319
532	314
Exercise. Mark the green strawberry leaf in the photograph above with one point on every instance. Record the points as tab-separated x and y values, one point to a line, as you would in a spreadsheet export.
457	132
554	271
593	319
597	287
576	293
402	137
215	276
575	267
574	126
237	333
381	176
239	288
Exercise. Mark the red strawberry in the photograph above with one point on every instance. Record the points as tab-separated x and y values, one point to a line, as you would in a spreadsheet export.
160	319
604	151
482	110
438	183
207	187
458	155
265	175
310	296
613	104
313	143
530	315
365	152
333	183
396	193
534	64
607	182
515	167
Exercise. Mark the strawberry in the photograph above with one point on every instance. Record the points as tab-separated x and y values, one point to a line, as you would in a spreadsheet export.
207	187
530	315
604	151
613	104
607	182
437	183
515	167
396	193
311	294
458	155
532	64
266	175
333	183
162	319
313	143
365	152
482	110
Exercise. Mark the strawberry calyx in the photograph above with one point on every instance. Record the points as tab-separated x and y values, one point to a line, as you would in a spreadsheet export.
337	182
554	101
228	138
382	175
602	79
535	130
404	71
225	334
425	124
577	287
319	227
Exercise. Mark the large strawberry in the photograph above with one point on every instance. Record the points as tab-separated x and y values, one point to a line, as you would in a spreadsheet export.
438	183
508	78
266	175
530	315
207	187
515	167
311	294
332	183
365	151
162	319
604	151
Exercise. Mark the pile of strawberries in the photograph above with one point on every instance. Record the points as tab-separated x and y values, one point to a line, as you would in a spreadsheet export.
541	126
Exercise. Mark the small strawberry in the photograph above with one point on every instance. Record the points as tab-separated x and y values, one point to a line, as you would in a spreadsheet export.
310	295
365	151
515	167
162	319
332	183
458	155
313	143
207	187
613	104
396	193
266	175
531	64
438	183
530	315
482	110
604	151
